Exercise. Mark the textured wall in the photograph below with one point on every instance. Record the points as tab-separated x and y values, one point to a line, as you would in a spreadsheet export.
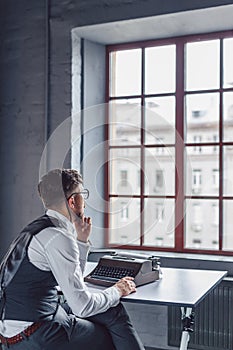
35	81
35	97
87	12
35	91
22	63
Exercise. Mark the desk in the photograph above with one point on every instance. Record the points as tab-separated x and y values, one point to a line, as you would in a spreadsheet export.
180	287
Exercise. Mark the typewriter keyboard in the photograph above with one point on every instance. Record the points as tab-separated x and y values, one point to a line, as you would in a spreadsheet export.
111	273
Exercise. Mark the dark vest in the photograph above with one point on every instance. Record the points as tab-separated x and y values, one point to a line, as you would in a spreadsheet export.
27	293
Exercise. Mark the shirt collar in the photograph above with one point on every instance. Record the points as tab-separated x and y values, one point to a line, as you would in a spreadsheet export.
62	219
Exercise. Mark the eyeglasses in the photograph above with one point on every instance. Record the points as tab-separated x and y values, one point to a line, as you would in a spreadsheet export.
84	193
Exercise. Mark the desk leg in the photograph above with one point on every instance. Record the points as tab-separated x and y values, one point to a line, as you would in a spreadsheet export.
187	318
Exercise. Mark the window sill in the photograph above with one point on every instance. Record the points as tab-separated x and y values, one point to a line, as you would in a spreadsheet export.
179	260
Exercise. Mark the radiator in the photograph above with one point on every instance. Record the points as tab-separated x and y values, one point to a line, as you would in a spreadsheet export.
213	327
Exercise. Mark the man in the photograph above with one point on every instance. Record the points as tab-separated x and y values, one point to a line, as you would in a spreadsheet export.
51	252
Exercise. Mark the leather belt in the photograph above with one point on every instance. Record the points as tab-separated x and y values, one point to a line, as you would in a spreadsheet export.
20	336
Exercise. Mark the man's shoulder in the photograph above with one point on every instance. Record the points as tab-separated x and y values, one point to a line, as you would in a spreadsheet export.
53	235
40	223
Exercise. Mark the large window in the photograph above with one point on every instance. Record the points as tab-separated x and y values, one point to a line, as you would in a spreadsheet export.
170	130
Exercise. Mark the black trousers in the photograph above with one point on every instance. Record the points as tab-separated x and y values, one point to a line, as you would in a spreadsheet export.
111	330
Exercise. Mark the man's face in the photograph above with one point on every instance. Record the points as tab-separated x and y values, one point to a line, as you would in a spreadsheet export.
77	201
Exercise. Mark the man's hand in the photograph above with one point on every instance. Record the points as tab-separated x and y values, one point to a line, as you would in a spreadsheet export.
126	286
83	228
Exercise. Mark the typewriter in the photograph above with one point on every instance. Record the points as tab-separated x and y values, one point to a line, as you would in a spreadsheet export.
144	269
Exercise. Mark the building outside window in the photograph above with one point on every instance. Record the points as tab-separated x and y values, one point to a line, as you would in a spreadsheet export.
215	178
215	214
159	212
159	180
215	140
197	139
124	177
124	211
173	104
196	180
138	178
159	141
197	217
197	243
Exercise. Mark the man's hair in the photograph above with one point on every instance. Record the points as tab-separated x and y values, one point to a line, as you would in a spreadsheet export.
57	185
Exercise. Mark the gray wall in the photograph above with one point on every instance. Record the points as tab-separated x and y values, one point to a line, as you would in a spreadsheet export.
35	93
22	117
36	97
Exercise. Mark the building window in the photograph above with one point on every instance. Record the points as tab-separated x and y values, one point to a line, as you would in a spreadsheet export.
197	243
215	140
124	177
159	181
173	104
196	180
215	178
139	178
215	214
197	139
159	212
159	241
159	141
124	211
197	218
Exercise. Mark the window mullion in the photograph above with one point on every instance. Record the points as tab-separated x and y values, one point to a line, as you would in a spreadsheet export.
142	204
179	181
221	150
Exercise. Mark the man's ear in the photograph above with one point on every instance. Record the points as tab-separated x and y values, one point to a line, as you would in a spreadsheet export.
71	202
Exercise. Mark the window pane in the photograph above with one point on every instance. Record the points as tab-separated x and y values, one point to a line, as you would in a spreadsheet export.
125	73
159	222
227	63
160	69
202	117
228	116
143	140
202	65
202	171
124	166
202	224
160	171
228	170
227	225
160	120
124	221
125	122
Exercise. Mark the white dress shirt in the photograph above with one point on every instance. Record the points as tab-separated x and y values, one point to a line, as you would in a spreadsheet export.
56	249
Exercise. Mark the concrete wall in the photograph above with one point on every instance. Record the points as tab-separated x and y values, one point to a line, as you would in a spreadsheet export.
36	96
86	12
22	118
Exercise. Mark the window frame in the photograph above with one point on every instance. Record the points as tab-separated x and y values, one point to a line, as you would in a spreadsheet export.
180	93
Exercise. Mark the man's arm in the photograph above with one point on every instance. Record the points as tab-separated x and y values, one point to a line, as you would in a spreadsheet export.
83	254
56	250
62	254
83	227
